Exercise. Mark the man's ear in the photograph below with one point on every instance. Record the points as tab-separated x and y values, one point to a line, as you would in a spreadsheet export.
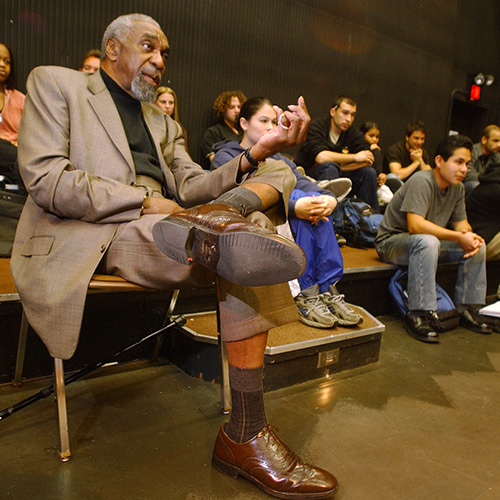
332	110
484	140
438	160
112	49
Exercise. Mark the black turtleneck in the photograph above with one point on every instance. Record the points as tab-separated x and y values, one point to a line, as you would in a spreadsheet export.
139	138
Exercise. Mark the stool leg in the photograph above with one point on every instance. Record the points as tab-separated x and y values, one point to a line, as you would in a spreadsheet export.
159	340
62	413
225	388
21	350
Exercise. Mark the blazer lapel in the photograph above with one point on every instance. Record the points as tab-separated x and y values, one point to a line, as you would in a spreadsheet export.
105	109
156	125
159	131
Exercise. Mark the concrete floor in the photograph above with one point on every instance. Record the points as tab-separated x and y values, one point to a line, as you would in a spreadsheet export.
422	424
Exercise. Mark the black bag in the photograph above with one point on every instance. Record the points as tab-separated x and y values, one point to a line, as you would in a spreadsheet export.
357	222
446	311
11	206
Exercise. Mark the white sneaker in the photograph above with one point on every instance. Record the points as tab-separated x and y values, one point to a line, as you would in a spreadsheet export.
312	310
337	306
384	195
340	187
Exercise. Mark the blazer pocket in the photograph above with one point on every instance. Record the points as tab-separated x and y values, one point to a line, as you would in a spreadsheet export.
38	245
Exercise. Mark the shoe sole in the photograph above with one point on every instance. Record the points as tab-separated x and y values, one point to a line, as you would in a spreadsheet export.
314	324
234	472
482	331
340	196
343	195
244	258
345	322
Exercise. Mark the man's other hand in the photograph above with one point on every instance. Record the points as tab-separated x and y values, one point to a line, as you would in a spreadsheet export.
157	205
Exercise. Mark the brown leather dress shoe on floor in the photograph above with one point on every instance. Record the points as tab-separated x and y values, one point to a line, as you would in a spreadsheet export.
218	237
272	466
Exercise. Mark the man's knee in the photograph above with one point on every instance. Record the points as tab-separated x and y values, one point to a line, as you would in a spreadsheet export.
367	175
275	173
426	243
327	170
480	256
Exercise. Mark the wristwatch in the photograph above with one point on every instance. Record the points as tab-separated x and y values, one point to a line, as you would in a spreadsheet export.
251	159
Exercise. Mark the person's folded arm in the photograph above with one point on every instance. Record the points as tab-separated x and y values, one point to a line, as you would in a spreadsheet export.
403	172
462	234
333	156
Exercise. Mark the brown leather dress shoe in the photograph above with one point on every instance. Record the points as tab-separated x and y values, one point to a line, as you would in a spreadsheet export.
272	466
218	237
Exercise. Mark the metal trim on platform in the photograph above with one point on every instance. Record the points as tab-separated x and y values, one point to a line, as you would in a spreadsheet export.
9	297
330	339
367	269
199	337
295	346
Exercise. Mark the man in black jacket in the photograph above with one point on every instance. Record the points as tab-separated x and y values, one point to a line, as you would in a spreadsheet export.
334	148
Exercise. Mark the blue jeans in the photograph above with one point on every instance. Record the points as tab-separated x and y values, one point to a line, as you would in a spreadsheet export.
421	253
364	180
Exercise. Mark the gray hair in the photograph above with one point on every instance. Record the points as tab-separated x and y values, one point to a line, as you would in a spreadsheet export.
121	26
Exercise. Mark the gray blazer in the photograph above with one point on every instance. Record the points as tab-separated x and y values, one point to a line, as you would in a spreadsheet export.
76	164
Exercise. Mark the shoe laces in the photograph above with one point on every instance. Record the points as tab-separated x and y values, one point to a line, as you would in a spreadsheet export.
315	302
339	300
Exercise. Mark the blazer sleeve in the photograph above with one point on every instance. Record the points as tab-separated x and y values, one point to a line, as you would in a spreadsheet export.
194	185
51	179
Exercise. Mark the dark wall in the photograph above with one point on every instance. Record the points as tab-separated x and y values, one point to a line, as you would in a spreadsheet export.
400	60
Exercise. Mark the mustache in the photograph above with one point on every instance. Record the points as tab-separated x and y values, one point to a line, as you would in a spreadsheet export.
151	71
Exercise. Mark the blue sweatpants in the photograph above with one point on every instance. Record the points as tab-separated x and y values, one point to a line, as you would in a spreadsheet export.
324	260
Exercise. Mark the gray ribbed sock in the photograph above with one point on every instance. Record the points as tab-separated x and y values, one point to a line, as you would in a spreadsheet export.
244	200
248	416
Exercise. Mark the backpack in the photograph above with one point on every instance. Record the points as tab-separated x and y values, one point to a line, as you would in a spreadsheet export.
357	222
446	311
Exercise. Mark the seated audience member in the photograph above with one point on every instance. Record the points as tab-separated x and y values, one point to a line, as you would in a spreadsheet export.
91	62
137	215
414	233
11	109
484	153
226	107
309	210
334	148
372	137
483	208
404	158
166	100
